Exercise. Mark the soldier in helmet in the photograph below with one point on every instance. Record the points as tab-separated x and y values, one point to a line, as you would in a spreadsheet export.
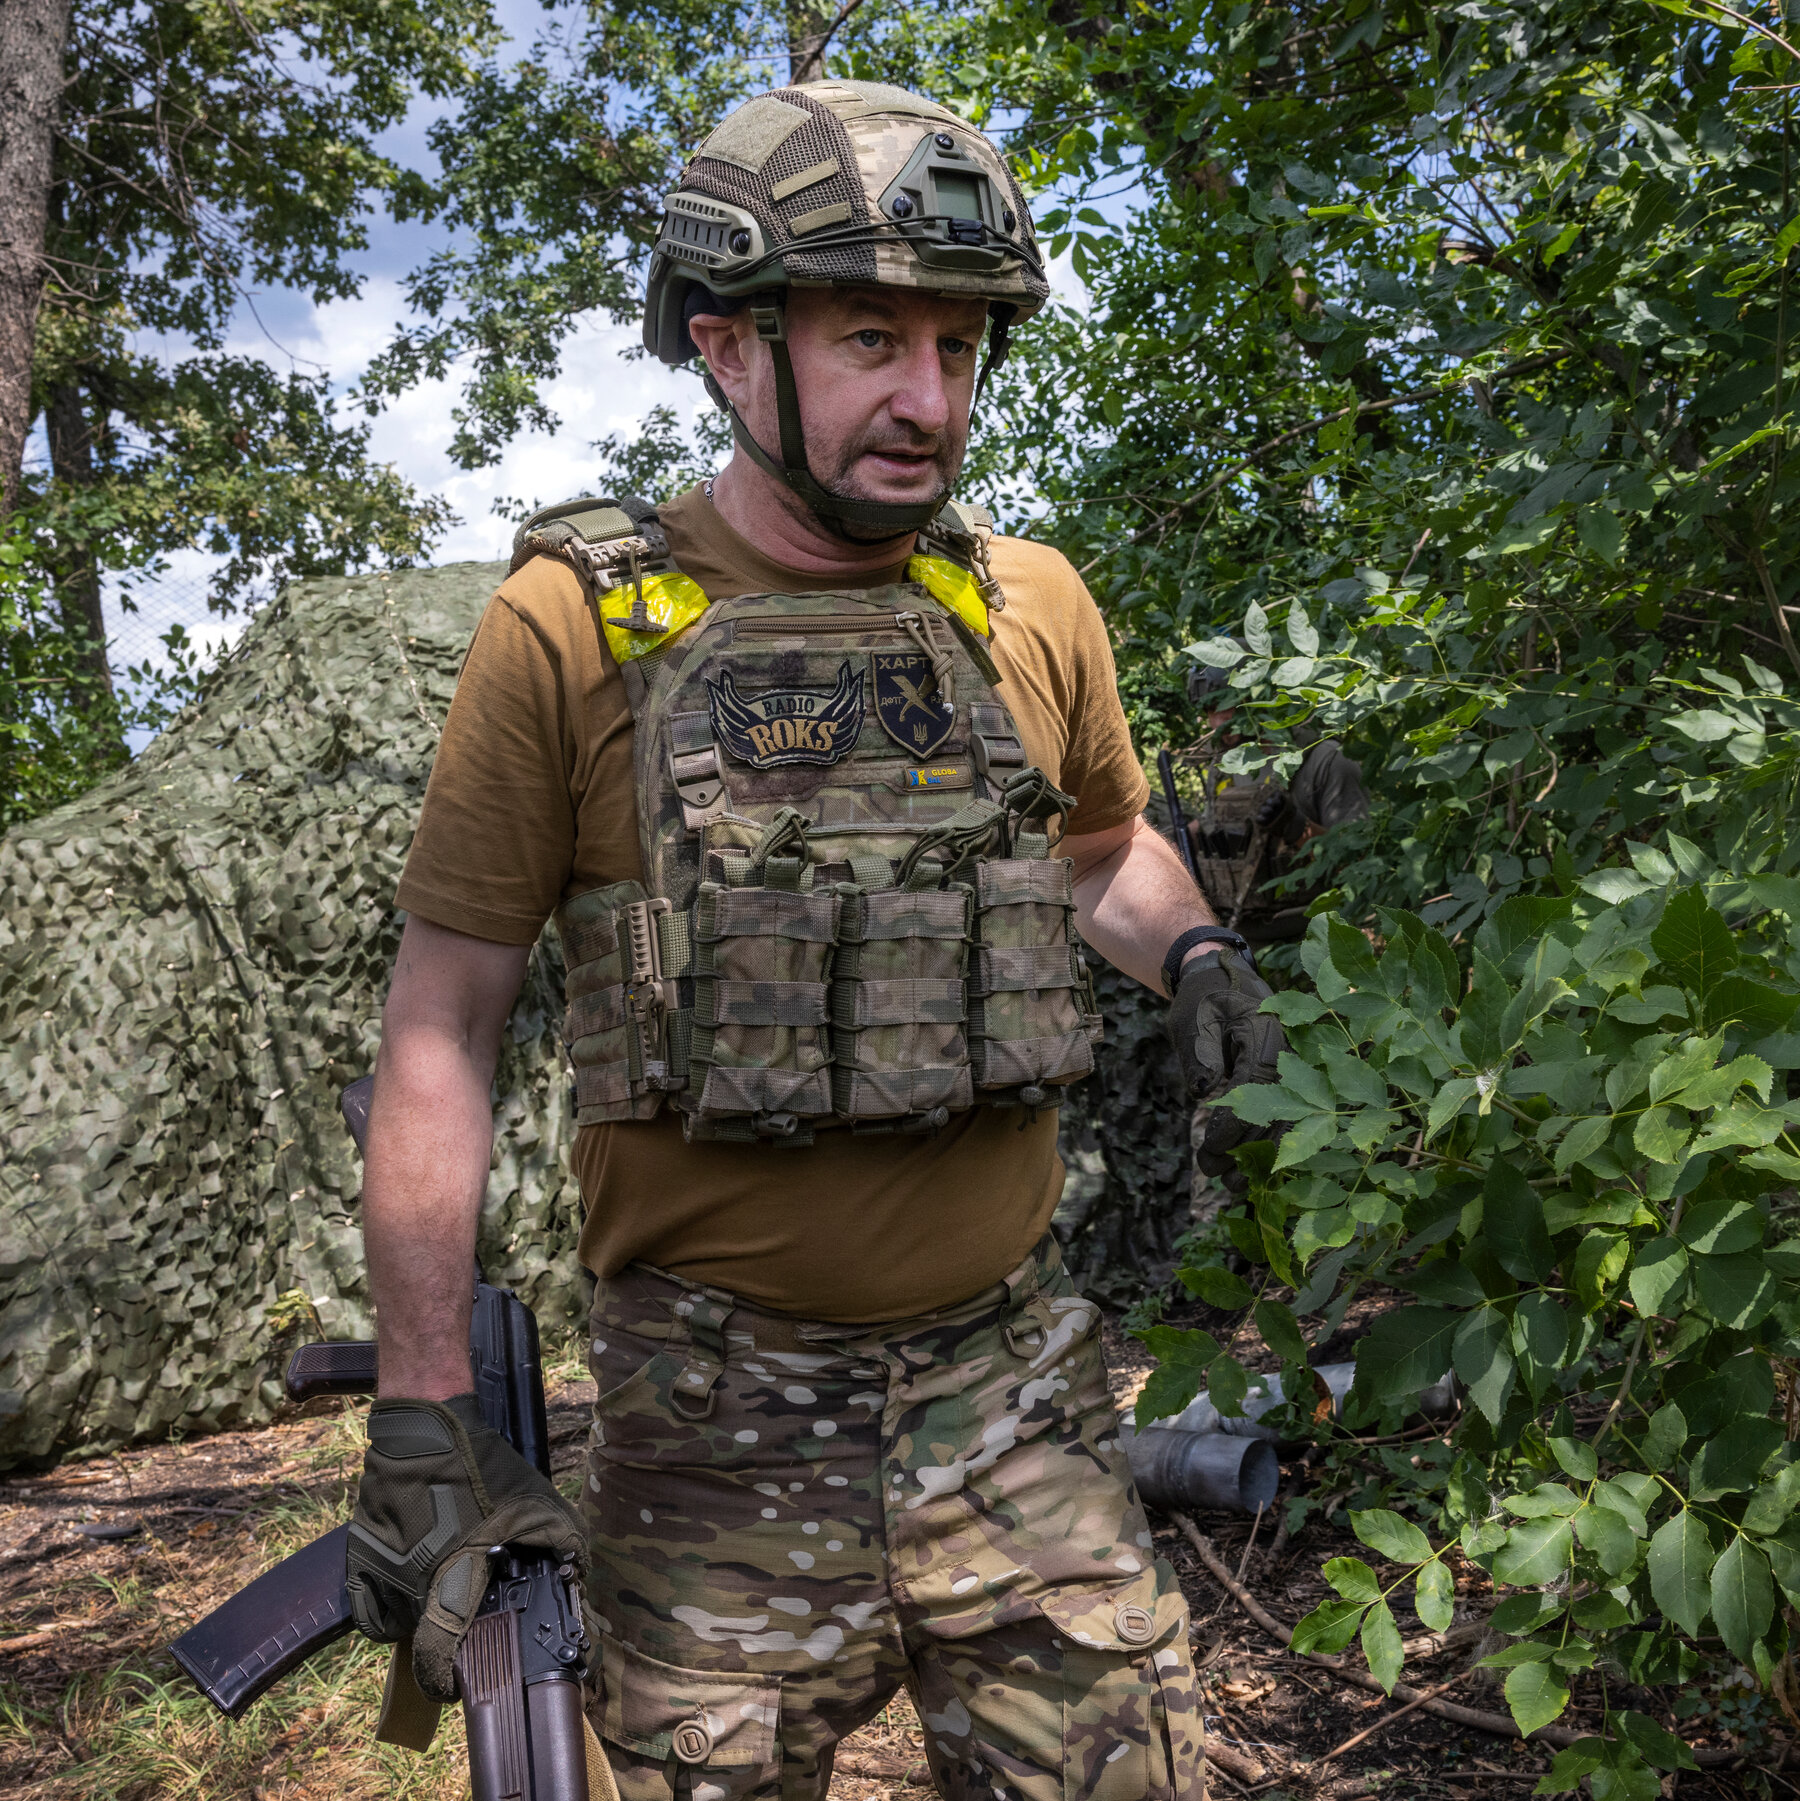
814	774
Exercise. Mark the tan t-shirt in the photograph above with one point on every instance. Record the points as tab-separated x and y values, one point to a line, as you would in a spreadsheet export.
530	801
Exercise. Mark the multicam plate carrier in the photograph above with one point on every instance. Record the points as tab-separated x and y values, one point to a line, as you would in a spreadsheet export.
851	915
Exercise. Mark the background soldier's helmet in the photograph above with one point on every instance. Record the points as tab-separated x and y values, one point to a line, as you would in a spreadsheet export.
841	182
838	183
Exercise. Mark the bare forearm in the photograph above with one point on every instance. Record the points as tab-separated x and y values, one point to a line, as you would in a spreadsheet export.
1133	899
430	1141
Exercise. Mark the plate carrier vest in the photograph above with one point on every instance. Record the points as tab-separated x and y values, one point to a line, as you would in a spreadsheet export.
850	913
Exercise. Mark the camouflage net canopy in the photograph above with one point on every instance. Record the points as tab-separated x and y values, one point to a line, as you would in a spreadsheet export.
193	959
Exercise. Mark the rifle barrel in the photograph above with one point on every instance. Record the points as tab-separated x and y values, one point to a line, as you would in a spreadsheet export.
1177	815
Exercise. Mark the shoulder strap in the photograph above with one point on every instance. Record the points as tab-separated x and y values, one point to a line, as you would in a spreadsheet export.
636	592
959	536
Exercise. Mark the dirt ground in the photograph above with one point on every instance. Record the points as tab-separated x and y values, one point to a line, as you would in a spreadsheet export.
103	1561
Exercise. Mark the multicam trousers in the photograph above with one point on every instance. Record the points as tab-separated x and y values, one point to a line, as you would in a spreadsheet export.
789	1520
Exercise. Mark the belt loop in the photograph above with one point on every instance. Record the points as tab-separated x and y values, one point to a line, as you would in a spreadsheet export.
704	1312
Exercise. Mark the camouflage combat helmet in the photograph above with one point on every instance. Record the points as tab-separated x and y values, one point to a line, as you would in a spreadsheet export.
837	183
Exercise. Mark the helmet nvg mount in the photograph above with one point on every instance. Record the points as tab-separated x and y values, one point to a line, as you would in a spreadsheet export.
833	184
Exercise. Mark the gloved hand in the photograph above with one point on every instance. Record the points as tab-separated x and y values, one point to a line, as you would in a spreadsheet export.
1220	1040
439	1487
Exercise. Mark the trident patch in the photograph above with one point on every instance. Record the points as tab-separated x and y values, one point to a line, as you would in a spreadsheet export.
907	702
787	725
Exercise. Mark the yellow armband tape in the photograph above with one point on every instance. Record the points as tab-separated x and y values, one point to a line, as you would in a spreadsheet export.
953	587
672	601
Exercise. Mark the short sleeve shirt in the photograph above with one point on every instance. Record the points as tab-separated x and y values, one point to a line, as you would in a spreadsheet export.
531	801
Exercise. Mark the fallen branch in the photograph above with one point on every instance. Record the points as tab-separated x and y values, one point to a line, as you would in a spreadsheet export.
1381	1725
1233	1761
1560	1737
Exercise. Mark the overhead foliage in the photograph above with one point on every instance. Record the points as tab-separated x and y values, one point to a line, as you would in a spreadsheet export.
202	154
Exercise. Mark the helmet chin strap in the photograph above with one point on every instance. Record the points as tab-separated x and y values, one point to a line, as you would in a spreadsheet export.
841	515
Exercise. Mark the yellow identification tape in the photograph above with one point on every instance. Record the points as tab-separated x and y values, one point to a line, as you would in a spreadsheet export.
953	587
672	601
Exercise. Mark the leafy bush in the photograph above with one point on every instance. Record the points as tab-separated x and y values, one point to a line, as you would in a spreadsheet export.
1574	1160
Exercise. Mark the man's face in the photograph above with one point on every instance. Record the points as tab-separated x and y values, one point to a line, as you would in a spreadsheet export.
885	378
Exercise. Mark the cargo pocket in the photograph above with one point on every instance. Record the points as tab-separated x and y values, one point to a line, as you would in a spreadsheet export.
761	1048
1028	1030
604	1032
1116	1740
704	1719
898	1005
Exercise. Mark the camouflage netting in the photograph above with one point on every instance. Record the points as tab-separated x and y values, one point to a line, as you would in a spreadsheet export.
1125	1139
192	963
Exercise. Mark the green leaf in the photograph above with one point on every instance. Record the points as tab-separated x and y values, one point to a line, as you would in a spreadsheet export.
1281	1331
1548	1498
1718	1227
1733	1459
1512	1222
1351	954
1608	1537
1654	1743
1572	1763
1535	1553
1445	1284
1693	942
1434	1599
1659	1272
1581	1141
1381	1645
1662	1134
1256	631
1737	1291
1449	1101
1540	1339
1328	1628
1183	1357
1301	631
1390	1535
1599	1260
1535	1694
1743	1598
1353	1579
1404	1351
1483	1360
1601	532
1227	1383
1667	1434
1622	1502
1218	1287
1576	1458
1772	1506
1681	1560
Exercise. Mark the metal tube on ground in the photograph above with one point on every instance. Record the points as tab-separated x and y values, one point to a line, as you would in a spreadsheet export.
1179	1471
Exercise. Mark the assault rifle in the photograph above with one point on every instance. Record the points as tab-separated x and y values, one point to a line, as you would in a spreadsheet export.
518	1669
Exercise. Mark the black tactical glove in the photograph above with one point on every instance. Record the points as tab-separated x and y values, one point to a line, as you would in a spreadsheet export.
440	1487
1221	1040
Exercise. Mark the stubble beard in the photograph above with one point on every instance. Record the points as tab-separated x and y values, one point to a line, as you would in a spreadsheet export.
842	482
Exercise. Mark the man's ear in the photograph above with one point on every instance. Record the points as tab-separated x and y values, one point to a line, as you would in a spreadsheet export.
722	340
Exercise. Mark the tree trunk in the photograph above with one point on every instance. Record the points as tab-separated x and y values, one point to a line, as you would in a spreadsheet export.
809	31
71	436
33	35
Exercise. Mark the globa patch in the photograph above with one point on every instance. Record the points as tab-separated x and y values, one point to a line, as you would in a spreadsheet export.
787	725
908	704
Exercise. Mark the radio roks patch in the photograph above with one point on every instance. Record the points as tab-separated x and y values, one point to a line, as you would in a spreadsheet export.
788	725
908	704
